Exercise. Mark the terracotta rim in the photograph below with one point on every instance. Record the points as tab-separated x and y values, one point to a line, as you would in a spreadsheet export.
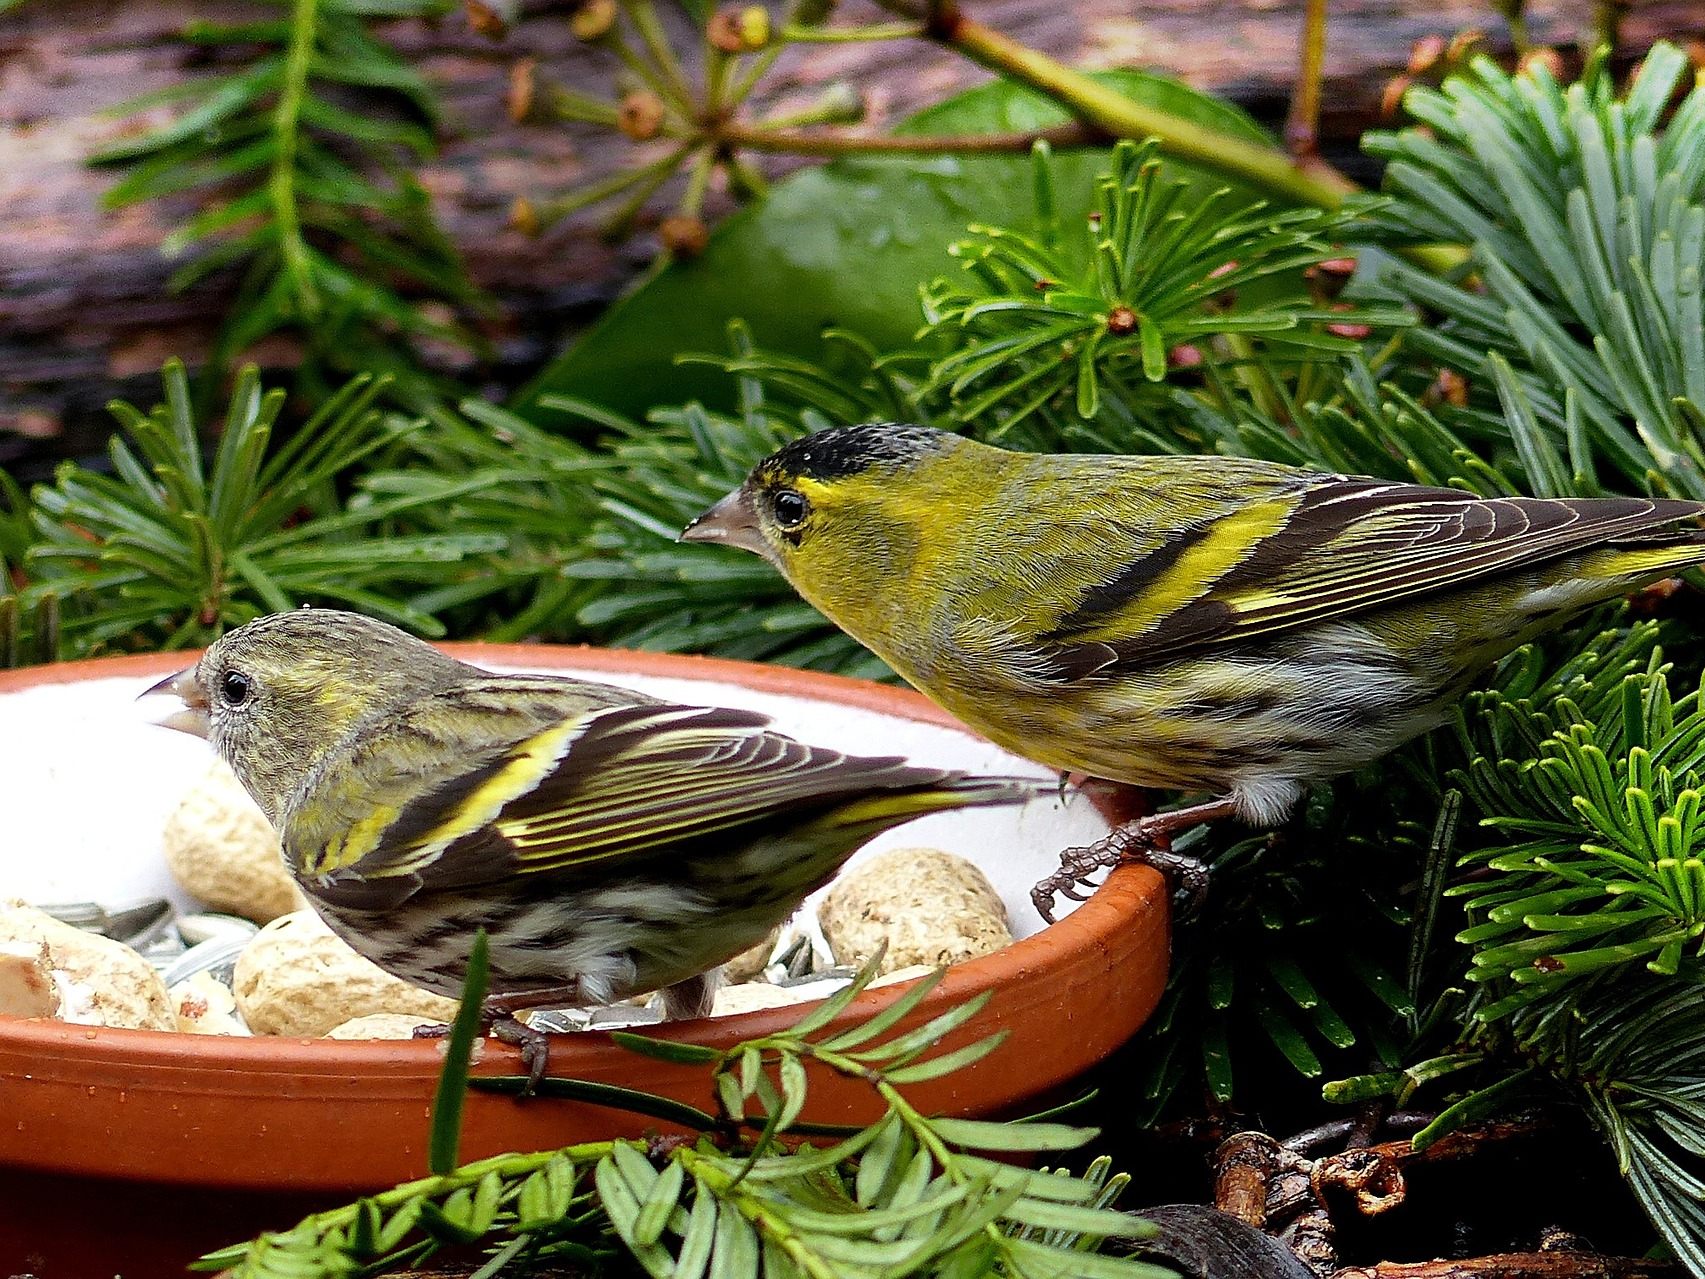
1128	892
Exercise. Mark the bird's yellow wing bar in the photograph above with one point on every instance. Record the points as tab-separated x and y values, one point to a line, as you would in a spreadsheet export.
614	783
648	777
1346	547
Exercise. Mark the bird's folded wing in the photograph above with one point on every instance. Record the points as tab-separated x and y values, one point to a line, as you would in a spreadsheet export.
1339	548
611	785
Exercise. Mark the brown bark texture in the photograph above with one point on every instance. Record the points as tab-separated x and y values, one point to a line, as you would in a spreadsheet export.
1519	1265
84	308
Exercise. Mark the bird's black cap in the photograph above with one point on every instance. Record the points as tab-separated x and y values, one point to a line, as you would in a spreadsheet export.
848	450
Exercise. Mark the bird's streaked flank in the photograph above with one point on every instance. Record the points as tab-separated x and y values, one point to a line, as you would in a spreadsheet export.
1184	623
608	842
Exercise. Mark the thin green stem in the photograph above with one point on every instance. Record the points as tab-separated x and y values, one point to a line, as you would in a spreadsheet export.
749	79
1302	126
1515	17
620	221
792	34
566	104
717	65
647	73
286	132
698	181
1113	113
554	210
662	52
746	178
1608	19
839	105
801	142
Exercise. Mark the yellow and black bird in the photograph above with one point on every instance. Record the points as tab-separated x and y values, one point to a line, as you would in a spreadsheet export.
1184	623
609	843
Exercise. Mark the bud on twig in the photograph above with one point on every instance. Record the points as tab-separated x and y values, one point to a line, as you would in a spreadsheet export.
1450	387
1542	56
1346	329
739	30
641	115
523	216
593	20
491	18
523	80
683	235
1425	54
1464	45
1328	277
840	103
1391	99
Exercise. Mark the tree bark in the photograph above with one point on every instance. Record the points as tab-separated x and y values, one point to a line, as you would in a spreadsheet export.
84	308
1519	1265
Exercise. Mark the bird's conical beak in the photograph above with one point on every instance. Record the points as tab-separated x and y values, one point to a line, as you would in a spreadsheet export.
192	716
730	521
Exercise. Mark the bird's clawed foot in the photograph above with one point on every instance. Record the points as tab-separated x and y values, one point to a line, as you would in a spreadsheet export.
503	1025
535	1048
1133	842
1146	842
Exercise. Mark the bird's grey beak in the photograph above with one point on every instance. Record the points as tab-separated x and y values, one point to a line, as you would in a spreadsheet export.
730	521
192	717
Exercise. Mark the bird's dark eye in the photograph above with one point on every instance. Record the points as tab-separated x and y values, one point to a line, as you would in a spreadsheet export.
791	508
234	688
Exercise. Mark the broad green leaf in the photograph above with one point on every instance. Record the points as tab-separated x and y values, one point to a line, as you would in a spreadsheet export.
844	245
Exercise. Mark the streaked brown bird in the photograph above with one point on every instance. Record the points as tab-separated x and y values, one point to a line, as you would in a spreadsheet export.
1184	623
609	843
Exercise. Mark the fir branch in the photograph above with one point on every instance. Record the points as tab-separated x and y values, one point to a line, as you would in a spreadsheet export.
1295	968
1641	1073
27	635
1584	309
1581	948
299	159
1033	322
169	549
910	1195
485	473
653	593
1595	785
